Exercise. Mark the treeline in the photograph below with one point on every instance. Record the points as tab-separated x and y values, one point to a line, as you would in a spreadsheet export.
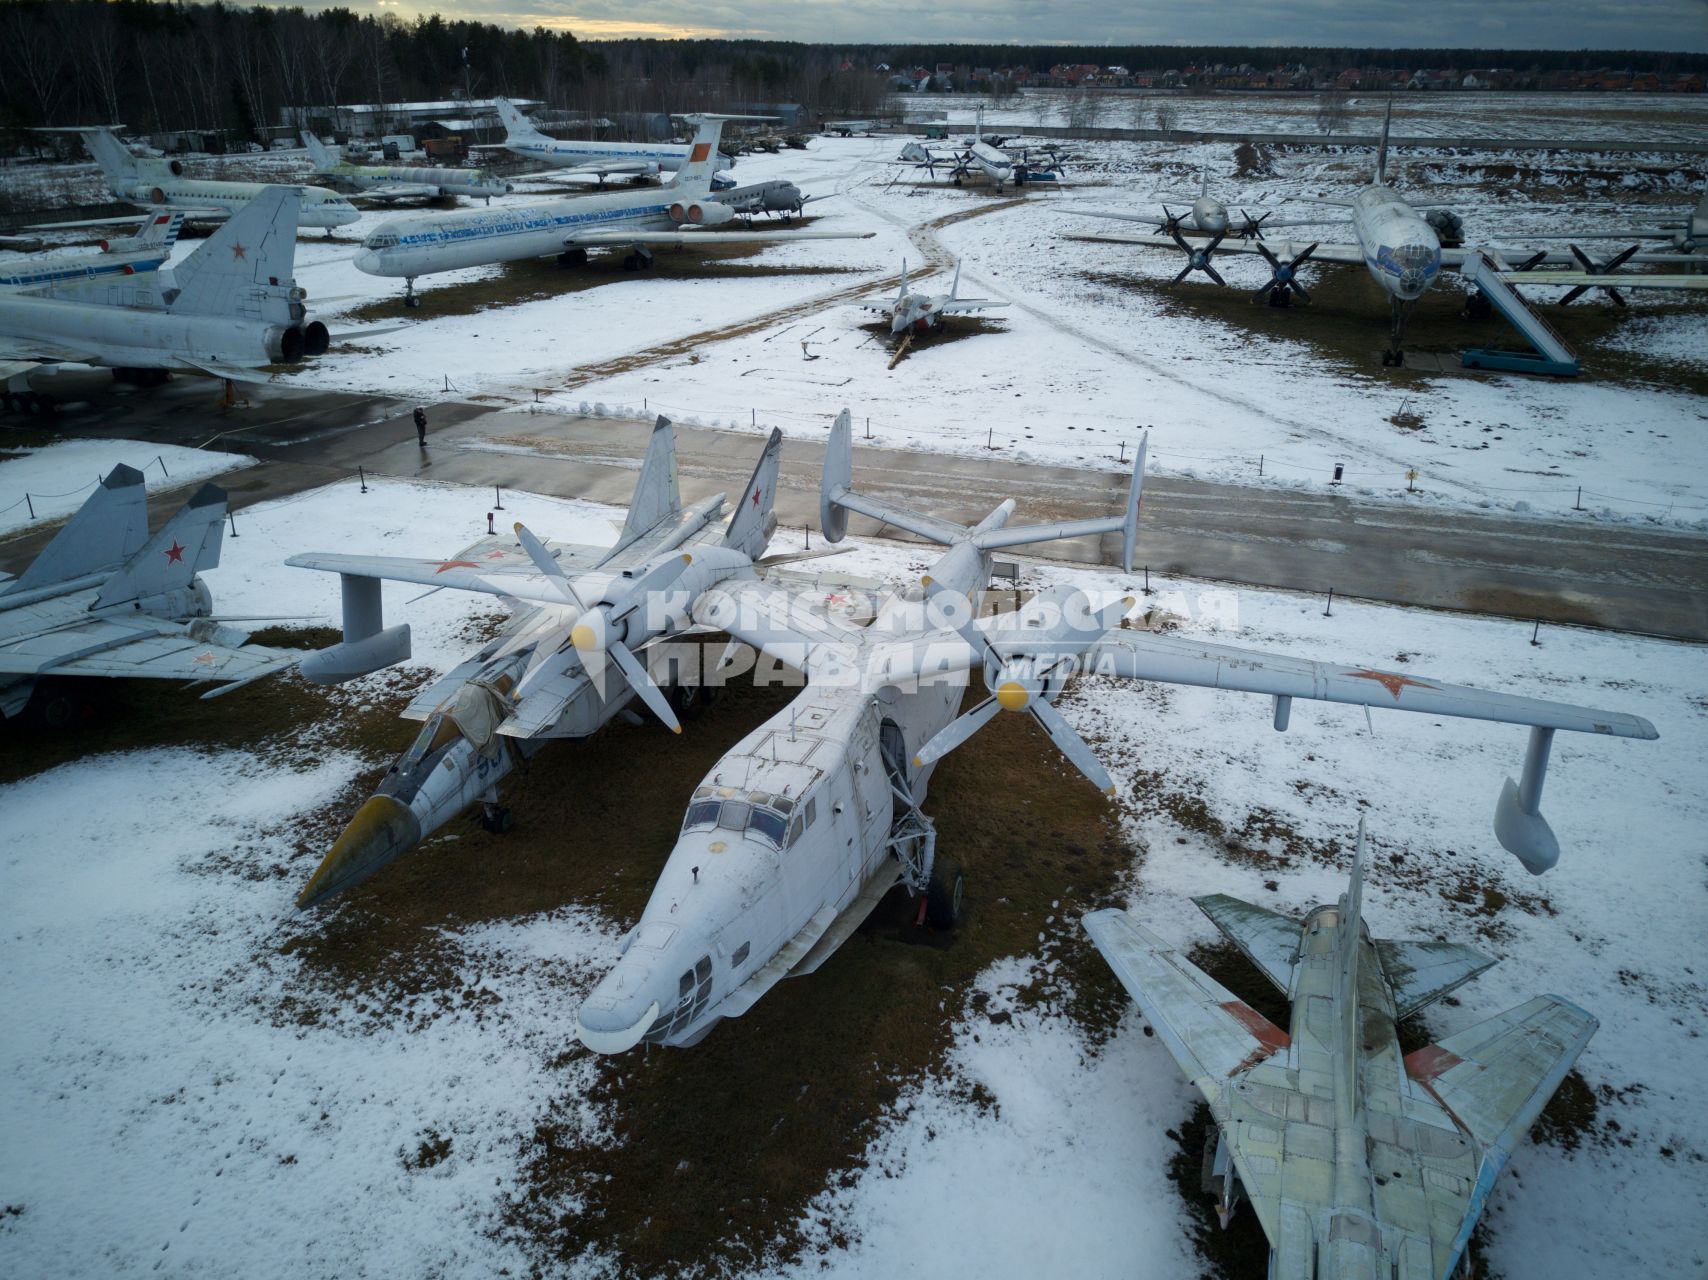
166	65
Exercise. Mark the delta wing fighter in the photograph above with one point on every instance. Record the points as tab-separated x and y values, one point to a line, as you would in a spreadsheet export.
812	818
913	312
393	182
105	599
571	658
1359	1161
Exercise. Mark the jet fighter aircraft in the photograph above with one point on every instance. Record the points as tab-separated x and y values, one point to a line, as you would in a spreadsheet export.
1358	1160
392	182
105	599
806	823
578	611
912	312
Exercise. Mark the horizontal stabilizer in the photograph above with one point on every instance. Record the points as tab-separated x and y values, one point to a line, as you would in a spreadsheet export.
1420	973
1268	939
170	560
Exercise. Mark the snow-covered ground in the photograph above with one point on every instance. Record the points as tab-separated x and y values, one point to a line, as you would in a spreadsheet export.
160	1116
59	477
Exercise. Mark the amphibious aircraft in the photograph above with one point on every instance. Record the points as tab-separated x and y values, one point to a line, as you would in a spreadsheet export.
106	599
160	186
913	312
392	182
1358	1160
679	213
996	164
227	309
545	675
806	823
147	250
597	159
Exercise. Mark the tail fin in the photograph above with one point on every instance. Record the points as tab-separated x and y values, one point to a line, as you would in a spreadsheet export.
159	233
108	529
837	497
516	125
657	495
187	544
1204	182
702	163
1346	990
955	287
754	521
1382	147
901	289
113	156
1126	524
255	247
324	157
978	125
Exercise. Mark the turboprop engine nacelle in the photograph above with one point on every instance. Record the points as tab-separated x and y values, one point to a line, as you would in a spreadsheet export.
702	213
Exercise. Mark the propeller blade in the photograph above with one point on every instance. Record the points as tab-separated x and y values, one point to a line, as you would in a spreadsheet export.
1572	295
644	686
956	732
1299	289
1184	272
1174	231
1270	258
1618	298
544	562
1583	258
1619	259
1533	261
1306	255
1071	745
1214	274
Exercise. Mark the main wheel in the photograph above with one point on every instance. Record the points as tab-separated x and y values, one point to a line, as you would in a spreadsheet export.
631	263
685	701
943	895
412	301
497	819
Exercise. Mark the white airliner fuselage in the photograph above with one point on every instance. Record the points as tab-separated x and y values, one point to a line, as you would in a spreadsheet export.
320	207
1401	250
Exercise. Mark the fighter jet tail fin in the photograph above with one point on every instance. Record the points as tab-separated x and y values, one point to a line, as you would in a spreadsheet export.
109	528
1382	146
657	495
187	544
754	521
1268	939
255	248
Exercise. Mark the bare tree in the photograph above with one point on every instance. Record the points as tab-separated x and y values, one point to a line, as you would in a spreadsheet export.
1332	112
36	54
1165	114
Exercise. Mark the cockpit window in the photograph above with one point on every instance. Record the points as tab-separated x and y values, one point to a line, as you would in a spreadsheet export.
439	731
734	815
762	813
768	824
702	813
380	240
1414	255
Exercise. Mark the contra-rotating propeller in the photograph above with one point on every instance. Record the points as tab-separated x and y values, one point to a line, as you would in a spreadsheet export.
1598	269
1284	276
1252	228
1198	259
602	627
1026	667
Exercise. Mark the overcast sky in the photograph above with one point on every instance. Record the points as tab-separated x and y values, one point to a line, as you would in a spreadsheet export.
1523	24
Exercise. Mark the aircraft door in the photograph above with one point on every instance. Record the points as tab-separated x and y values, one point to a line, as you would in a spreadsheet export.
871	783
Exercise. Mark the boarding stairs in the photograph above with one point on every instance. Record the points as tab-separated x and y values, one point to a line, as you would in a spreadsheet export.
1551	354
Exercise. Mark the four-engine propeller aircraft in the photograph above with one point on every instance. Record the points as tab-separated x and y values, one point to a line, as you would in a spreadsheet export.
577	612
106	599
147	250
227	309
160	186
600	160
991	160
913	312
1358	1160
393	182
806	823
679	213
1205	214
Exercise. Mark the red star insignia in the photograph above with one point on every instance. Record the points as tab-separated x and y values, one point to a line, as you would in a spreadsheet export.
495	555
456	564
1390	681
175	553
756	497
204	659
238	253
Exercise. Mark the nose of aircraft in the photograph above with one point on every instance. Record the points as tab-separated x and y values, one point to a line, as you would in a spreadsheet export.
618	1012
383	829
368	261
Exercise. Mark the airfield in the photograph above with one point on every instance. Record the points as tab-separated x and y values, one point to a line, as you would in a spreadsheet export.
202	1073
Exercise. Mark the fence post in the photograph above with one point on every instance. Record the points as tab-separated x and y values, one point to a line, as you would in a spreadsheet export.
1260	464
163	471
362	476
232	516
1328	612
1577	503
497	498
30	505
1535	632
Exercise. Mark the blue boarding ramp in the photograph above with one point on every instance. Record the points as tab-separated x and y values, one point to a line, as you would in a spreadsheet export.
1550	353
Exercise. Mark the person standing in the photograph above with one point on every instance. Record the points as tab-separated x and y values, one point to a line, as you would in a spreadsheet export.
421	424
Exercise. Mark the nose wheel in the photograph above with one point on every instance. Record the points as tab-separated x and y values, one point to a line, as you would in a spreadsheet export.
410	298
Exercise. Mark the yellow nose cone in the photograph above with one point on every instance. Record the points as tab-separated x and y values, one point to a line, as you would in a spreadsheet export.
1012	696
583	638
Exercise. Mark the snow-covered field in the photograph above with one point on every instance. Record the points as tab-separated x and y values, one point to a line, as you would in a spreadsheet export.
164	1114
59	477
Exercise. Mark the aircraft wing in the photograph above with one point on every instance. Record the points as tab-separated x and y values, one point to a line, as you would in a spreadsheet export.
1268	939
781	623
492	575
1696	283
959	306
1141	655
16	350
1151	219
1347	254
143	646
12	368
682	239
1422	972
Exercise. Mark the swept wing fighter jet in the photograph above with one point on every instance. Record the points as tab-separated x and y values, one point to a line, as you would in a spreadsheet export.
1359	1161
806	823
570	659
105	599
913	312
392	182
228	309
680	213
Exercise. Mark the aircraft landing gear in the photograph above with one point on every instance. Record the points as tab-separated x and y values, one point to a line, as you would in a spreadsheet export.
639	260
496	819
1280	297
943	894
572	258
1478	306
410	297
1394	357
